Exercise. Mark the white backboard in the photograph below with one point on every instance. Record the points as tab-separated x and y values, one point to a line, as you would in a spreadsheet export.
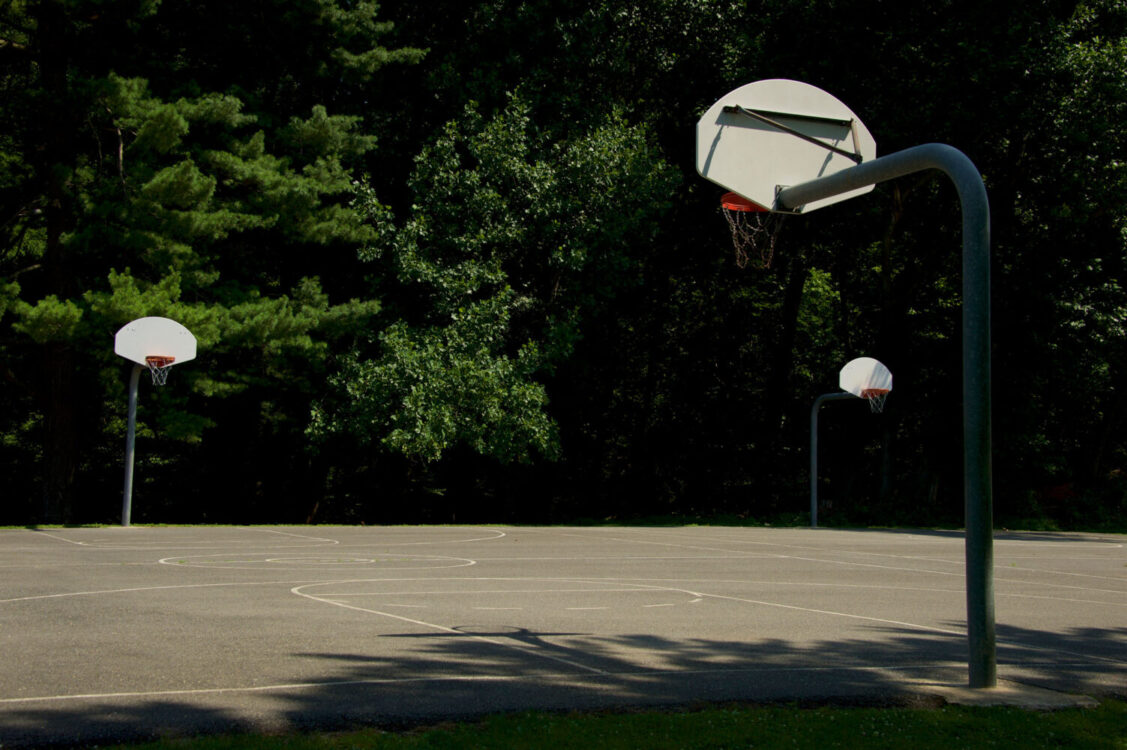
162	337
864	373
740	151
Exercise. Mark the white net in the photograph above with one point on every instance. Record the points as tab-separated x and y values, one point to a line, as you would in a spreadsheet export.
875	397
159	367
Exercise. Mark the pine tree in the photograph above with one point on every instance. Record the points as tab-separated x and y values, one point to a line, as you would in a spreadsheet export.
215	201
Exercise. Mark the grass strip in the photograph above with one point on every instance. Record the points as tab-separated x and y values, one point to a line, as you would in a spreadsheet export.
729	726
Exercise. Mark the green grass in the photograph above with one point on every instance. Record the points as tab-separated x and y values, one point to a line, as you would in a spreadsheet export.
731	726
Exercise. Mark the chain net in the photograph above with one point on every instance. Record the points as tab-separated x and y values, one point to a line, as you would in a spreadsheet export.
754	229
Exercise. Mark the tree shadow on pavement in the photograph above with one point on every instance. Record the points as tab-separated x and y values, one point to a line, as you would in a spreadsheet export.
472	671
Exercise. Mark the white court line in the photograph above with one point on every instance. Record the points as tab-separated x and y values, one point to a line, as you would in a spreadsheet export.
629	587
640	585
879	587
997	578
648	587
1121	579
61	565
497	532
295	563
883	621
1047	584
754	542
780	555
442	628
998	542
914	626
1008	556
633	583
906	537
831	613
825	561
138	589
60	538
632	558
1063	598
297	536
107	543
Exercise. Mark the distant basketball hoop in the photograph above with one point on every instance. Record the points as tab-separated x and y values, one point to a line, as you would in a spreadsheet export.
863	377
137	341
866	378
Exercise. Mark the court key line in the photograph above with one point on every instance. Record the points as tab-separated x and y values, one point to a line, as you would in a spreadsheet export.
442	628
641	587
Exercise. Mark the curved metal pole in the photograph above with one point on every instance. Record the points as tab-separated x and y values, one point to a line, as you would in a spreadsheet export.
814	450
977	481
130	439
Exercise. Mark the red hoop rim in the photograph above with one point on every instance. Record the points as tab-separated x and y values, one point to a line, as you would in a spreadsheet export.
736	202
159	360
874	392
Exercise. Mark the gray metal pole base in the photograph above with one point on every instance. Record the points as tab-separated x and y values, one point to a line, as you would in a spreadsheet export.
130	439
814	449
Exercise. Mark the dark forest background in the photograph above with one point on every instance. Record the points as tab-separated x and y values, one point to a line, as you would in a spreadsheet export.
451	262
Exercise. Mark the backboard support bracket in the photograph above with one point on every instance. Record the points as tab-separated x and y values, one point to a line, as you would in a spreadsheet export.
762	116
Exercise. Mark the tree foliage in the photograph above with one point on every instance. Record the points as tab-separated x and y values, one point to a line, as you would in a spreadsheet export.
510	242
444	259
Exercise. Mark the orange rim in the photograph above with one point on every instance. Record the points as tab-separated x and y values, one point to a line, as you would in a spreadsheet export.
736	202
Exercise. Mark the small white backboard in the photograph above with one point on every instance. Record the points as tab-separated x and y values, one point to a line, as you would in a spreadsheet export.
778	133
864	374
155	337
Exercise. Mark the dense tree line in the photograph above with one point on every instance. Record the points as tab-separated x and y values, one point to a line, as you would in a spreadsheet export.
452	262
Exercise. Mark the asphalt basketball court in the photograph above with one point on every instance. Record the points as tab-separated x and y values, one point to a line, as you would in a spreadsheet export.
122	633
127	633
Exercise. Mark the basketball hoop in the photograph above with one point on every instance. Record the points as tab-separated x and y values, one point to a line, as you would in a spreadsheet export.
875	397
159	367
754	228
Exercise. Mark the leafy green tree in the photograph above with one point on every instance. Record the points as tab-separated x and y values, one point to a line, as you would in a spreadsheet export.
1048	153
122	202
548	287
1067	215
512	242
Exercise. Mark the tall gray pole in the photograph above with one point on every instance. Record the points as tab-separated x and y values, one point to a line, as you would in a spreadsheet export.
814	450
977	481
130	439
